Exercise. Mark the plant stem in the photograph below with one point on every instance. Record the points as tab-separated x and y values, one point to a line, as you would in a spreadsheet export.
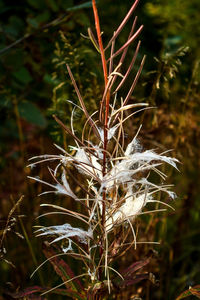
98	30
106	115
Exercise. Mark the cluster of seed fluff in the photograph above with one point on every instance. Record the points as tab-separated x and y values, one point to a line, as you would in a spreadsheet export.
128	172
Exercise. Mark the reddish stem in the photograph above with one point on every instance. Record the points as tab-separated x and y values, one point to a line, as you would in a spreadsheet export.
105	72
98	30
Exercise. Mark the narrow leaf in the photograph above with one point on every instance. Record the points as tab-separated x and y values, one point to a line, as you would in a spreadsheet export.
135	280
93	40
29	293
134	267
62	268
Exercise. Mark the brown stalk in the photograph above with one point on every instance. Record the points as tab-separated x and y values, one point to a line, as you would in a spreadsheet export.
105	72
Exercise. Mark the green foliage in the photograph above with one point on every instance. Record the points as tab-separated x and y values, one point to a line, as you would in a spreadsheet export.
31	113
79	55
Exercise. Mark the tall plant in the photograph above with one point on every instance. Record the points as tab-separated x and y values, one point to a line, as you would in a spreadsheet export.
116	180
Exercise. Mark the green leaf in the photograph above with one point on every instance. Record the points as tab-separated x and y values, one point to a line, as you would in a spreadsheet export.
23	75
31	113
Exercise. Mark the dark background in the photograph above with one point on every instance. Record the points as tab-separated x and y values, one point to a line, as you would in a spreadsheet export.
37	38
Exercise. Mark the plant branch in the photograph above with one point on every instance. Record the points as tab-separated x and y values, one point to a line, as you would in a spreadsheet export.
105	72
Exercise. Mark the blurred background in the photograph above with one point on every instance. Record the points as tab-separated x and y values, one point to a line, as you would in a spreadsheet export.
38	37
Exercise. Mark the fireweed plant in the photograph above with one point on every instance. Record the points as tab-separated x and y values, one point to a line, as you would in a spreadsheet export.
116	176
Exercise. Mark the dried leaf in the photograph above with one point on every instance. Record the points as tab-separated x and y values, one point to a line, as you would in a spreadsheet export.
29	293
135	280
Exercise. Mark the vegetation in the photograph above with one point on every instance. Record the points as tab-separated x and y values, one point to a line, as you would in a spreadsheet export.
38	39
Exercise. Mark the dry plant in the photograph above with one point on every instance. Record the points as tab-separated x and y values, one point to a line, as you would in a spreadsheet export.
116	179
8	226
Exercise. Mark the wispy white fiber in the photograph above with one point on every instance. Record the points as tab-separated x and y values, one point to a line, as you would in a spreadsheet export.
63	188
129	209
87	163
65	231
111	132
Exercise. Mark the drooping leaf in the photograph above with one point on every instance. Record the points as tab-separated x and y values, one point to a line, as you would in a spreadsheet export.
27	292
